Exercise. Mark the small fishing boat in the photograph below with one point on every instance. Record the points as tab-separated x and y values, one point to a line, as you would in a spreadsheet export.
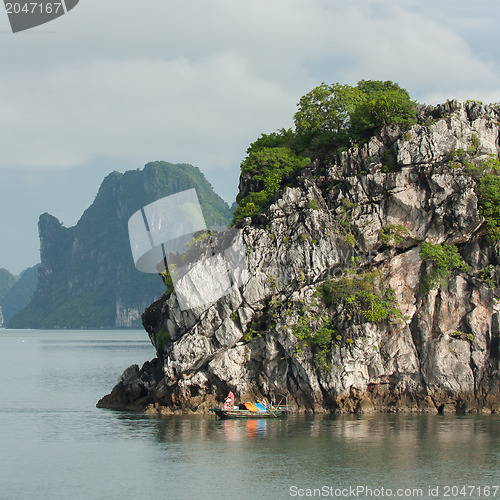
237	413
261	409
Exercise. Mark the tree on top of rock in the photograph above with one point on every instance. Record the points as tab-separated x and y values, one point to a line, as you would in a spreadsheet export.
385	103
331	114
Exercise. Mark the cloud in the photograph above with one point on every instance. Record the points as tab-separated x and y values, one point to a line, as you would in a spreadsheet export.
422	51
137	108
197	81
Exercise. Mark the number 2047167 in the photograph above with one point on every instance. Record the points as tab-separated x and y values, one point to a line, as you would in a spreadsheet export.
471	491
33	7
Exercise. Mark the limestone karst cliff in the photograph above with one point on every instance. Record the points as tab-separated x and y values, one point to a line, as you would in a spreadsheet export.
341	310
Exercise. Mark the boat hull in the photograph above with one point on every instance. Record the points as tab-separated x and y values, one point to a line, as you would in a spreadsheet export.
225	414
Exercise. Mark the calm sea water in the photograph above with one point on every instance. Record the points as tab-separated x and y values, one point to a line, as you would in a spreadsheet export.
54	443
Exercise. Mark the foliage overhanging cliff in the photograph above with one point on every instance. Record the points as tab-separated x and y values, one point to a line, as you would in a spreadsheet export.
372	270
87	277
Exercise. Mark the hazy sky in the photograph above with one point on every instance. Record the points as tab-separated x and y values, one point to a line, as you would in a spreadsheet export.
115	84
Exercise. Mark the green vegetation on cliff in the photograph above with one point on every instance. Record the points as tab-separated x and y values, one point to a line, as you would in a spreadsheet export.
334	114
443	259
488	190
328	118
267	168
363	296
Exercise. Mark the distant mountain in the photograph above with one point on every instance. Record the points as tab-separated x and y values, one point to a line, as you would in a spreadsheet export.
20	293
87	276
7	280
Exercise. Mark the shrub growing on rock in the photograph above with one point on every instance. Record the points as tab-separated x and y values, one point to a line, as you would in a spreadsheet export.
488	190
267	168
362	296
444	259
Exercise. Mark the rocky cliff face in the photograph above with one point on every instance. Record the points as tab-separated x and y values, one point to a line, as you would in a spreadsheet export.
359	222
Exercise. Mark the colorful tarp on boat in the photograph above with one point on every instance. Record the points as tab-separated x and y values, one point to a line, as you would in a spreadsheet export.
255	407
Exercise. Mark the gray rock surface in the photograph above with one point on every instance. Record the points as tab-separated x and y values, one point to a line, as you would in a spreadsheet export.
441	355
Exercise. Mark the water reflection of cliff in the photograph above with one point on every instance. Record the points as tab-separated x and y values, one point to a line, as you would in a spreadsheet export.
403	431
198	428
448	447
